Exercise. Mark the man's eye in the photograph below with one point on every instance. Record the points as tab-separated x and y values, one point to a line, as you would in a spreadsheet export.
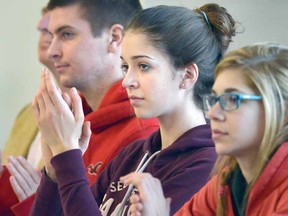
67	35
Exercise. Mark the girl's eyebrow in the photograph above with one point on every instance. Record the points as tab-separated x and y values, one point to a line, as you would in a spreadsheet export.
228	90
142	56
139	56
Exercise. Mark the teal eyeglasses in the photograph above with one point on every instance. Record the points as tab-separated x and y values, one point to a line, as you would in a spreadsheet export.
228	102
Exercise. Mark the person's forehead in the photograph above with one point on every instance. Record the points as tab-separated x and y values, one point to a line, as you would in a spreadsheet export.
231	78
66	16
44	21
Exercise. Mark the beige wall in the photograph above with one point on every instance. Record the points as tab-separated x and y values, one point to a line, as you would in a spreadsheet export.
264	20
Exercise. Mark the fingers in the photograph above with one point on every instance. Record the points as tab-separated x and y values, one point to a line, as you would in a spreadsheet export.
39	97
150	199
35	175
168	201
17	189
67	99
77	106
132	178
56	121
85	137
134	198
136	206
53	99
51	89
49	96
38	101
25	179
142	181
23	172
36	108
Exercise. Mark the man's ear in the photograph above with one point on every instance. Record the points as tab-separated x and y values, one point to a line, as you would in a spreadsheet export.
190	76
116	34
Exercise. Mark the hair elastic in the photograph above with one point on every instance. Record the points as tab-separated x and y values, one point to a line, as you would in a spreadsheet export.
206	18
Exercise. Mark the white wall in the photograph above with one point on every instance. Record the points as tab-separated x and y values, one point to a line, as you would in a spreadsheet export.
19	67
265	20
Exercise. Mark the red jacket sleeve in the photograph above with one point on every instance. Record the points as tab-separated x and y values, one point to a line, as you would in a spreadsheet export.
203	202
7	196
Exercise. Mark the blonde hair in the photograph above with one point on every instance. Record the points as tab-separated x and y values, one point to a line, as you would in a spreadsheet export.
266	67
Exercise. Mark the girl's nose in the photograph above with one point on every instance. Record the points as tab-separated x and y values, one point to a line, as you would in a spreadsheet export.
216	113
130	80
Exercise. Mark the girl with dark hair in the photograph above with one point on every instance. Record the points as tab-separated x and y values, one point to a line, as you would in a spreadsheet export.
168	58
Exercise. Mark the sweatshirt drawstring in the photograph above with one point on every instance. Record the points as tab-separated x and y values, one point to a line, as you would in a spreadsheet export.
140	168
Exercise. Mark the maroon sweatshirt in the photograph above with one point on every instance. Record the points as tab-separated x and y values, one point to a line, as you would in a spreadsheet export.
183	168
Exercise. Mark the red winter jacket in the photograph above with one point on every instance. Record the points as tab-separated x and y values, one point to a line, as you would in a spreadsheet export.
269	195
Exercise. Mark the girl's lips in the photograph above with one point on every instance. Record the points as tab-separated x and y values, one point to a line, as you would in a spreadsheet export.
135	101
217	134
134	97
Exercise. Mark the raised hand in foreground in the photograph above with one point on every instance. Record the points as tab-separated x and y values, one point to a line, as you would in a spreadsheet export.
60	120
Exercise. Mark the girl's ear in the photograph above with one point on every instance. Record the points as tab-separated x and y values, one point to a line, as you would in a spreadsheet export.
190	77
116	34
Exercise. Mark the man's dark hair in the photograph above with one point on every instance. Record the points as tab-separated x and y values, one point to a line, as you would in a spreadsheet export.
102	14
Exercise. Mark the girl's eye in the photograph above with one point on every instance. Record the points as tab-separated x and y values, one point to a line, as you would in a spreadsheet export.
144	67
124	68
